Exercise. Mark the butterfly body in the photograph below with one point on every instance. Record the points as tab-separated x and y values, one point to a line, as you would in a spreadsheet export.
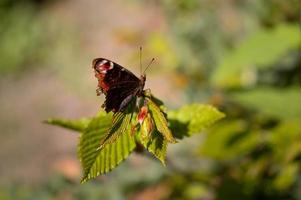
118	84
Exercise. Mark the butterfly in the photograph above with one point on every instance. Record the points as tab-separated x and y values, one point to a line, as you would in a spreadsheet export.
118	84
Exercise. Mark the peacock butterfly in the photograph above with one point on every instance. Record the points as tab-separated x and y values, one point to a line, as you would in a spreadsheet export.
118	84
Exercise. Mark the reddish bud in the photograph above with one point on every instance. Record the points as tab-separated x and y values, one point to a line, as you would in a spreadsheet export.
142	114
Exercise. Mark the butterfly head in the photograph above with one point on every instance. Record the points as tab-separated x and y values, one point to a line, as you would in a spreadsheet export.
143	77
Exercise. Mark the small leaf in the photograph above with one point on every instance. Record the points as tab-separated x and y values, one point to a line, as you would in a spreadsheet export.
287	176
156	144
229	140
76	125
274	102
90	138
110	156
157	101
152	140
96	162
193	119
120	124
160	121
147	127
258	51
154	99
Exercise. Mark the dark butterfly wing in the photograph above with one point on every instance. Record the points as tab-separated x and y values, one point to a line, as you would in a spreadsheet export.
118	98
117	83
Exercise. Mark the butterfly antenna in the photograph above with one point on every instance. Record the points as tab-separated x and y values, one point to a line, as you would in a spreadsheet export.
140	59
149	64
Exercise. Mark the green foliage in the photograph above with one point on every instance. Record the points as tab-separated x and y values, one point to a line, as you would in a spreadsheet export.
24	36
261	159
75	125
120	125
193	118
230	140
245	57
286	136
258	51
160	122
278	103
107	158
106	140
250	46
287	176
90	141
157	145
97	161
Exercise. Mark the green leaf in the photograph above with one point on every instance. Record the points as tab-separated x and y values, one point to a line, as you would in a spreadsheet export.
106	139
258	51
191	119
279	103
287	176
97	161
160	121
156	144
154	99
229	140
152	139
76	125
90	141
110	156
121	122
286	136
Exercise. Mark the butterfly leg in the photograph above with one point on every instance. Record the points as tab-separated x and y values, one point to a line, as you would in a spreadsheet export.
98	91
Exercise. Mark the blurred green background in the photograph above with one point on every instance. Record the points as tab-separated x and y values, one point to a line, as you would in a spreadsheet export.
242	56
